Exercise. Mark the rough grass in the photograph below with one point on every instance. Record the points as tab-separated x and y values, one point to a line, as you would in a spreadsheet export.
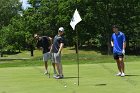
69	57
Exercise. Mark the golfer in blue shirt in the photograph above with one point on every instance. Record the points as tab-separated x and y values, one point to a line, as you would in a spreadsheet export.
118	42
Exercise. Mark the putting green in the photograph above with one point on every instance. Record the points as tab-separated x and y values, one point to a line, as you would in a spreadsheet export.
94	78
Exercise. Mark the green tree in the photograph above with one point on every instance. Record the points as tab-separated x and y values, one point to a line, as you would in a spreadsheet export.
46	16
8	9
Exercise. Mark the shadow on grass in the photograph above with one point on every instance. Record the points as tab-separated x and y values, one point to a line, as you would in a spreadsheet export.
100	84
131	75
70	77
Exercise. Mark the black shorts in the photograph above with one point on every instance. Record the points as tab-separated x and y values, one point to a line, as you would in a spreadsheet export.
118	55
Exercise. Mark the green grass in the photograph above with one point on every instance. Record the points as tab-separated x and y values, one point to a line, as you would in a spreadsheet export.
68	58
97	72
94	78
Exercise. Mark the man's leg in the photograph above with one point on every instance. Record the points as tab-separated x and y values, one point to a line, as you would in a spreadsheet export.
122	66
54	69
53	64
58	65
118	64
46	67
61	69
116	57
45	59
58	68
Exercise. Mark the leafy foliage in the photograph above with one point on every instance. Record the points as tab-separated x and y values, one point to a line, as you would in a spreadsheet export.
46	16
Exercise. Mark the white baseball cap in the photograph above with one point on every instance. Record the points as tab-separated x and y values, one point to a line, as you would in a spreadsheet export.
35	35
61	29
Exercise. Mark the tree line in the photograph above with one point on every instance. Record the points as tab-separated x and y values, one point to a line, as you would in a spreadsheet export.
17	26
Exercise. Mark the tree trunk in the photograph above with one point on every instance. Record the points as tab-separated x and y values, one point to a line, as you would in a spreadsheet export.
32	50
1	54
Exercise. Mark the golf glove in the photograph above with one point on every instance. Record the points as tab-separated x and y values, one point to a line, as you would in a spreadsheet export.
58	53
123	51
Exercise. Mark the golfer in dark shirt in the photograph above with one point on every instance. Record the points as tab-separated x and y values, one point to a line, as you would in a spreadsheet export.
56	49
44	43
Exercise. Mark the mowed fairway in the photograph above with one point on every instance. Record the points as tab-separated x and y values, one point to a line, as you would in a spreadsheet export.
94	78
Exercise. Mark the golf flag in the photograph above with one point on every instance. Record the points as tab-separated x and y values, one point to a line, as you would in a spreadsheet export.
75	20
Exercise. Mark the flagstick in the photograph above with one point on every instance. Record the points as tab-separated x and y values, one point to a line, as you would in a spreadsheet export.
75	20
77	54
77	50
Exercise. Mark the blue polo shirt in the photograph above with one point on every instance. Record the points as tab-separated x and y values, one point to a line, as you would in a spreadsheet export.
118	40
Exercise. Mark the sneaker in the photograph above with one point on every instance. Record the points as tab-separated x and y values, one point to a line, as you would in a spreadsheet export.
122	75
54	75
46	72
119	74
59	77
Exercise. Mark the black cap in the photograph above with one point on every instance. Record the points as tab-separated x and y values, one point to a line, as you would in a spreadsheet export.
115	26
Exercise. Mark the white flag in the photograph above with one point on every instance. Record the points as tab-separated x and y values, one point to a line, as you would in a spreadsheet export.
76	19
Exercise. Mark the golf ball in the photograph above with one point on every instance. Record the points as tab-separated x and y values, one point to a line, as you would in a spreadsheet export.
65	86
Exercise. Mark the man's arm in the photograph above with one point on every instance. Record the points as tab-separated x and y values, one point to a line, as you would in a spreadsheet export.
112	43
61	47
124	45
50	39
51	48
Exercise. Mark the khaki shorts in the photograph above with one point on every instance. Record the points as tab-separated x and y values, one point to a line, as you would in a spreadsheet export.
46	56
56	58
